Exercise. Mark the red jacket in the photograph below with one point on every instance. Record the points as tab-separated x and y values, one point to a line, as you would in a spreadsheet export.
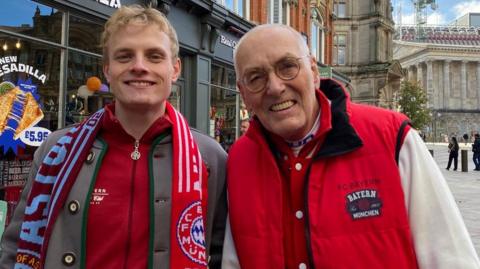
353	214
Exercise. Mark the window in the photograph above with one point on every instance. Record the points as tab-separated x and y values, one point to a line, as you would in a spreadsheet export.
317	43
31	50
241	7
80	101
31	18
339	8
339	47
224	99
84	34
286	13
275	11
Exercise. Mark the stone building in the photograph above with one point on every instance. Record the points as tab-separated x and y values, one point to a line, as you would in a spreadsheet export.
362	50
446	63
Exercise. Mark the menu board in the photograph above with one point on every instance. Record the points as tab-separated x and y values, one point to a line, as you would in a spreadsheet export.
14	173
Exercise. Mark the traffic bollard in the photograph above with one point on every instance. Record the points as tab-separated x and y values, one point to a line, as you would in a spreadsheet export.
464	160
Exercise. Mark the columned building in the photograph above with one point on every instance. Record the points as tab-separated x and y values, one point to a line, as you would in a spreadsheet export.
447	67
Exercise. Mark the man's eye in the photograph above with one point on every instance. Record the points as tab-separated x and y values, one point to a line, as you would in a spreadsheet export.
156	57
123	58
287	68
287	64
254	77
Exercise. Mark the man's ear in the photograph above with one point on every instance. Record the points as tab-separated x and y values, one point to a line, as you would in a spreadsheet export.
177	69
316	74
106	72
241	89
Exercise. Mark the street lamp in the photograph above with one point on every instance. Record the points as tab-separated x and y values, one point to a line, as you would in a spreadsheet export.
436	115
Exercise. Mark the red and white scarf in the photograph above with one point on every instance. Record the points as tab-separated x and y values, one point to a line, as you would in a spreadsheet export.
59	171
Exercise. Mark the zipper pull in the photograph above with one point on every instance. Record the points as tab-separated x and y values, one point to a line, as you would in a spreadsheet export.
135	154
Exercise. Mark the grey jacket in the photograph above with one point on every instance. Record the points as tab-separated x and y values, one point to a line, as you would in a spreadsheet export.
65	245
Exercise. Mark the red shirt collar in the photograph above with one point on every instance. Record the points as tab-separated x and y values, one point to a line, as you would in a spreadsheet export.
112	128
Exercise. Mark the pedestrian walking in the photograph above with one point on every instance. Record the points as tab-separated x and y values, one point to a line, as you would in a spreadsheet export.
453	149
476	152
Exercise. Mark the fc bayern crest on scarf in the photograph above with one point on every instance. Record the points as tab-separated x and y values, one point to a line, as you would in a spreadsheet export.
191	233
363	204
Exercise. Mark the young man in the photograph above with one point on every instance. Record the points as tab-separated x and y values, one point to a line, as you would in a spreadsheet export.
127	188
330	183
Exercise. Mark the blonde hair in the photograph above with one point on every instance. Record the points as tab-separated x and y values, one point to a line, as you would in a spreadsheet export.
137	14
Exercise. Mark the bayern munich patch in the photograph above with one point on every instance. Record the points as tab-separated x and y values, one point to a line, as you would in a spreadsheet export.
364	204
191	233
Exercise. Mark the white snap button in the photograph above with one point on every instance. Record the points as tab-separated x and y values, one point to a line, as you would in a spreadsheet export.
298	166
299	214
90	157
68	259
302	266
73	206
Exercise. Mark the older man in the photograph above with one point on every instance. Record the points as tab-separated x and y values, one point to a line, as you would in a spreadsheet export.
127	188
320	182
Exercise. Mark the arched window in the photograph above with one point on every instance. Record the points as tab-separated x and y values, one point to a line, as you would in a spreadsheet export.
317	37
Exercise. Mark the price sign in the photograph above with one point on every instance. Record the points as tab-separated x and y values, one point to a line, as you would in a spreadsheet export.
34	136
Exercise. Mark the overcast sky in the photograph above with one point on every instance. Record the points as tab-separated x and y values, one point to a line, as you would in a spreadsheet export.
447	11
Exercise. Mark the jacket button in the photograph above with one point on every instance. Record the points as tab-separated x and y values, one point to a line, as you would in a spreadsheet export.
90	157
68	259
73	206
299	214
298	166
302	266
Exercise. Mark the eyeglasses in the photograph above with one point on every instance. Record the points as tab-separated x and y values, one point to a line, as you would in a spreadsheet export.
286	69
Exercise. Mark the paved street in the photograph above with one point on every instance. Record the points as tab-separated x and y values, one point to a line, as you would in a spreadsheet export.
465	187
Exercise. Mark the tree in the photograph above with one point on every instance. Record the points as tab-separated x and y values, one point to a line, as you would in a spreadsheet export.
413	103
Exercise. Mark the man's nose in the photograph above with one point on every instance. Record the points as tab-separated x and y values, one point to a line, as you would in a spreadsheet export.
139	65
275	85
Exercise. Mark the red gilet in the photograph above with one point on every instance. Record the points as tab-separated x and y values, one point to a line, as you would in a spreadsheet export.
118	216
354	211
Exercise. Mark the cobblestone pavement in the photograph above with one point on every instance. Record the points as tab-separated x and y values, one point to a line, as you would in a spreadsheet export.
465	187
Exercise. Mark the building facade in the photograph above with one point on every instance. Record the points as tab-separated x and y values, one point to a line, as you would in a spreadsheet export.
469	19
50	59
447	66
362	50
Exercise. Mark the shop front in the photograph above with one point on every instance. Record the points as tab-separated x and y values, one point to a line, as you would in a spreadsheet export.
51	74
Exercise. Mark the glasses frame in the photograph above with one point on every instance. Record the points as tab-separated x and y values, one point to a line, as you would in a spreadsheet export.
275	70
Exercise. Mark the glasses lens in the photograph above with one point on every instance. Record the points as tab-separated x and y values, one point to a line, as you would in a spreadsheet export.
255	81
287	68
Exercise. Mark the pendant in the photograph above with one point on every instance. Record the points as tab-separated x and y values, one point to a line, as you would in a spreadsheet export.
135	155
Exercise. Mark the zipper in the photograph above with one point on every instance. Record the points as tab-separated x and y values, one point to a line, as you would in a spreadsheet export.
135	155
307	218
